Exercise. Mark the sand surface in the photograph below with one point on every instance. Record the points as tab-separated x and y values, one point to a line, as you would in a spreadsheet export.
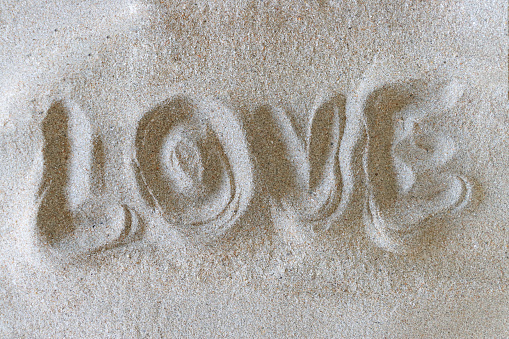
254	169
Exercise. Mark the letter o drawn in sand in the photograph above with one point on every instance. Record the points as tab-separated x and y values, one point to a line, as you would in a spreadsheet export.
193	166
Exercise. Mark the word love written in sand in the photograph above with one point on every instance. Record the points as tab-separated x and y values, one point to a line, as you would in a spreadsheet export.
197	165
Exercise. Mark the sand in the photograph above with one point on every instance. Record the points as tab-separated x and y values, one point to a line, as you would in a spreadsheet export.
253	169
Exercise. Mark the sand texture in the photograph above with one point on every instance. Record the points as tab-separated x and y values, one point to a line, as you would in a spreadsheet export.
254	169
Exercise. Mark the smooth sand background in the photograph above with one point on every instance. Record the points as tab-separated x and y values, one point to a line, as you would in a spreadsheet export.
270	280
